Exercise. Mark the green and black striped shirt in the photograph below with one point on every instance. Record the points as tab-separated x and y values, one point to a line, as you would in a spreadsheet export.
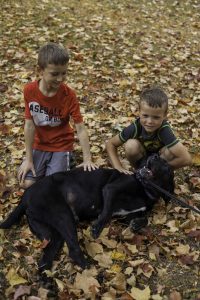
153	142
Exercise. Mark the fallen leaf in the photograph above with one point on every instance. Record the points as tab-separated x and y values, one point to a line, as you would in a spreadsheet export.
14	278
186	260
104	259
119	282
182	249
93	248
21	291
175	296
3	87
84	282
60	284
138	294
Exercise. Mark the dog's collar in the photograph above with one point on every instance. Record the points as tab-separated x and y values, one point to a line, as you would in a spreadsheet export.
144	174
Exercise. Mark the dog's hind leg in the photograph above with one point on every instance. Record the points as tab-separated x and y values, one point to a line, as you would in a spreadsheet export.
66	226
51	251
14	217
41	230
106	214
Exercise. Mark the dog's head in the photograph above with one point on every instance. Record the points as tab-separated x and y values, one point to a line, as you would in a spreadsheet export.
157	170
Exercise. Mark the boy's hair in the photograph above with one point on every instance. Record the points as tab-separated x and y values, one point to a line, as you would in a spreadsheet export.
154	97
52	53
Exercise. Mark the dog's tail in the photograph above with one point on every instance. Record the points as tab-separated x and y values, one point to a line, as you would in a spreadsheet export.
14	217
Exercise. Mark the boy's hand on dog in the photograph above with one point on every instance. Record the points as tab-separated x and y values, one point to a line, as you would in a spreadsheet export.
88	166
122	170
24	168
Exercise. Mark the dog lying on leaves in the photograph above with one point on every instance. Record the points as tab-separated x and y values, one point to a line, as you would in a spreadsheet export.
54	204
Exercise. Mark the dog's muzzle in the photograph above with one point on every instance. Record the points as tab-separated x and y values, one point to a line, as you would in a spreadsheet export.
144	174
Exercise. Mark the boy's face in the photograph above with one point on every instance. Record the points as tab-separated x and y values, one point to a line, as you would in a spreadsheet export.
151	118
53	76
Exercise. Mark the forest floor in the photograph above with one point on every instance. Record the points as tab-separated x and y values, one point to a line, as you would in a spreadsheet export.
117	48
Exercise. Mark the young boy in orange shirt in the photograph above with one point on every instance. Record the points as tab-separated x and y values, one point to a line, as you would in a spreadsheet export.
49	106
150	133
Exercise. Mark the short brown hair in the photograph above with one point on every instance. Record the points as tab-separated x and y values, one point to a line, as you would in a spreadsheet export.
52	53
154	97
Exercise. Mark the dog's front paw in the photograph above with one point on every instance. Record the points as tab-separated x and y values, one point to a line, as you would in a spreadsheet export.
79	259
138	223
95	231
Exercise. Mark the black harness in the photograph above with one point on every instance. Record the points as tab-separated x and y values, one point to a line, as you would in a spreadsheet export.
144	175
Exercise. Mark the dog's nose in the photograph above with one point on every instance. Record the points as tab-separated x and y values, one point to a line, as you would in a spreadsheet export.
155	157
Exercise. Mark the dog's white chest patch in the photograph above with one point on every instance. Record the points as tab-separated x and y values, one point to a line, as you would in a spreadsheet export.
123	212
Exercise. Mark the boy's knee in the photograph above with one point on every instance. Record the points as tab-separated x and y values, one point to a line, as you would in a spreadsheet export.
134	151
26	184
166	154
133	147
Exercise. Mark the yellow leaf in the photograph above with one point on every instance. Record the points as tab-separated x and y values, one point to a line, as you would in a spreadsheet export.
14	278
95	149
48	273
116	268
124	83
118	256
60	284
141	294
139	65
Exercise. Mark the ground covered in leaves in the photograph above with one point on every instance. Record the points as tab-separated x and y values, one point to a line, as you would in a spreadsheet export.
117	48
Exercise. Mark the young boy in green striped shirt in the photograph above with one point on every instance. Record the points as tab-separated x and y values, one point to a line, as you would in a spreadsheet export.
150	133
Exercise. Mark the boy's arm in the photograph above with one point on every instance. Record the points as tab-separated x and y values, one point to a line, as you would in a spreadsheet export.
180	156
111	148
27	165
84	142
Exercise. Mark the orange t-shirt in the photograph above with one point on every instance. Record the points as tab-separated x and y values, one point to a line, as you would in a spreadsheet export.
51	116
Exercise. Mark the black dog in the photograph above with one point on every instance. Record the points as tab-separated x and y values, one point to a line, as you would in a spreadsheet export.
54	204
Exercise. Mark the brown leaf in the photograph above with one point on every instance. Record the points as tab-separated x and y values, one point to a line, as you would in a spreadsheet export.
21	291
195	181
186	260
195	234
196	159
64	295
4	129
3	87
126	296
138	239
175	296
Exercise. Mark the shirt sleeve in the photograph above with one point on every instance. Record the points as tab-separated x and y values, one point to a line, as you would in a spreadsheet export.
75	109
26	102
167	136
129	132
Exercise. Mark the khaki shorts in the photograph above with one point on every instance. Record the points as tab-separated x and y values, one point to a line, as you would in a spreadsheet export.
47	163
